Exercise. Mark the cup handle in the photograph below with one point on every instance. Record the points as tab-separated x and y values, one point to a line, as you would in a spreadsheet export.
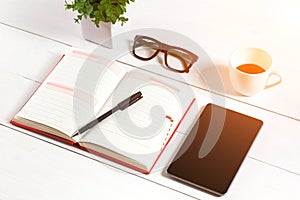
274	73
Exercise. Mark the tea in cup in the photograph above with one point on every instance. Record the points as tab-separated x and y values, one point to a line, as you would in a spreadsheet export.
250	71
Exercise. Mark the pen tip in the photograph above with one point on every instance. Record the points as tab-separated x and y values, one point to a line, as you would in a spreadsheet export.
75	134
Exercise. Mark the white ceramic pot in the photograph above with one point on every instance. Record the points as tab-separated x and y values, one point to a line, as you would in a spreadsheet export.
102	35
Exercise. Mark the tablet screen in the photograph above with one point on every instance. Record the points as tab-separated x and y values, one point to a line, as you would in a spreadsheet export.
214	149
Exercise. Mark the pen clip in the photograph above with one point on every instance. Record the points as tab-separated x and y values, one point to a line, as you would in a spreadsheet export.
135	100
129	101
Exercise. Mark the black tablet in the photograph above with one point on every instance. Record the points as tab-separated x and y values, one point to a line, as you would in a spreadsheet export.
214	149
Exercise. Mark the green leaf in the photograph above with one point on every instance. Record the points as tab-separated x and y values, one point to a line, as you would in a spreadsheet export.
99	10
123	8
89	9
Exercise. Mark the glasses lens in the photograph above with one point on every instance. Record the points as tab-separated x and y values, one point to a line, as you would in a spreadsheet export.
178	60
145	48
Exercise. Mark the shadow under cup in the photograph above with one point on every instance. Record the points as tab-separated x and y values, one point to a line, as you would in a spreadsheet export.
248	83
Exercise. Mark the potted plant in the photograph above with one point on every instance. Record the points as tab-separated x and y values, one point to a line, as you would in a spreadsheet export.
97	17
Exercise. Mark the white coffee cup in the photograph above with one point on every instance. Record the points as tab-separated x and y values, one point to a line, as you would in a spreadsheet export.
249	83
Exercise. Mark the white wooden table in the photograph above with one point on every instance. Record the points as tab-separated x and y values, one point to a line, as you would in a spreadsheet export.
33	35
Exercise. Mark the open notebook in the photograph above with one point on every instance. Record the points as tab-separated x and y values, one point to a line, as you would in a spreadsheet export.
82	86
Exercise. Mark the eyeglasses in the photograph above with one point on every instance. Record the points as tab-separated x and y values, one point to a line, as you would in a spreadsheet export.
176	58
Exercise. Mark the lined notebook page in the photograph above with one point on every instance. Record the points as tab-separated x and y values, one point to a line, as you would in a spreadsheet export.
143	128
53	103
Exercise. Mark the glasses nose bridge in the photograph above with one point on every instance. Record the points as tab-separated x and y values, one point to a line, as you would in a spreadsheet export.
164	48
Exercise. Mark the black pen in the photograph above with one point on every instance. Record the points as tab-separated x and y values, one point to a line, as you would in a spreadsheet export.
121	106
